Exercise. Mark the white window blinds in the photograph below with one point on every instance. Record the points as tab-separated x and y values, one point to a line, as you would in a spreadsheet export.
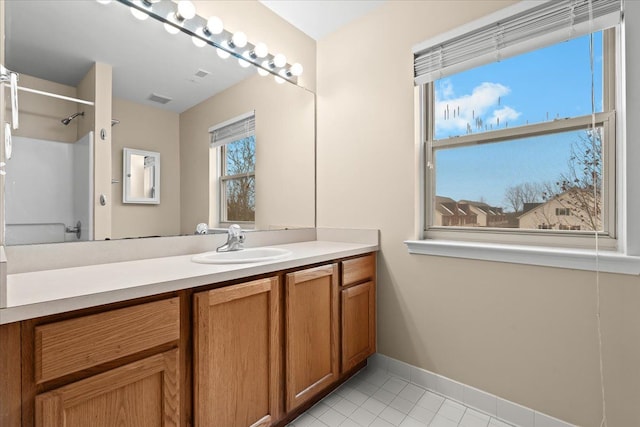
517	29
234	129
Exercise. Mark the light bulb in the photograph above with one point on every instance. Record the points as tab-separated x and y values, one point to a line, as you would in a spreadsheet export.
214	25
261	50
104	1
243	62
279	80
197	40
279	60
262	71
239	39
138	14
186	10
296	69
170	28
223	53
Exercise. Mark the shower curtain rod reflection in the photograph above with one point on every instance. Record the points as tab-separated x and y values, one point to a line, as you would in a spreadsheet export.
54	95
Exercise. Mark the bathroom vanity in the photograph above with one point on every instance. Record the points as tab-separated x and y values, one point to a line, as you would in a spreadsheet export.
211	345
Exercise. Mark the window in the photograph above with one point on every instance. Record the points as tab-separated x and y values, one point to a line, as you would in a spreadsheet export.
526	144
235	143
238	181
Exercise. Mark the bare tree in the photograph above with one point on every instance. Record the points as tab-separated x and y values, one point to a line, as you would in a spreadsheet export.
527	192
580	188
240	158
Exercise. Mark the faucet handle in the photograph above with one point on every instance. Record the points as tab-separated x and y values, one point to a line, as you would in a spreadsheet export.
235	231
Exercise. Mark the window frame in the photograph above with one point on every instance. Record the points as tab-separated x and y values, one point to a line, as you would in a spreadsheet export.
223	178
626	259
607	239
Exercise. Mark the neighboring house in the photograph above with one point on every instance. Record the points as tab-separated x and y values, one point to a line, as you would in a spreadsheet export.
467	213
488	216
449	213
566	211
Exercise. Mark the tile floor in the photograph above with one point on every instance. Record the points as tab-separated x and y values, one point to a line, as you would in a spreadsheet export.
376	399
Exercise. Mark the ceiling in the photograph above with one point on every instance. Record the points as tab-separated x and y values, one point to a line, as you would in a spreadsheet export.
318	18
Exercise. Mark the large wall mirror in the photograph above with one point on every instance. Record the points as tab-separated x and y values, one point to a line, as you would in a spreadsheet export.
166	93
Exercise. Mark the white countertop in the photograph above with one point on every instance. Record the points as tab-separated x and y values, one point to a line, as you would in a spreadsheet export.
43	293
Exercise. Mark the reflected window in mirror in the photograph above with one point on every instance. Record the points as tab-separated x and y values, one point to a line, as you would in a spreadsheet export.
235	141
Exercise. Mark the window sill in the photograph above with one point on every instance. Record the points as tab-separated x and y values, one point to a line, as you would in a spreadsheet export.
578	259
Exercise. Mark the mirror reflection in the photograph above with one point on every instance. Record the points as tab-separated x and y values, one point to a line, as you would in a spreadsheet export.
141	176
163	95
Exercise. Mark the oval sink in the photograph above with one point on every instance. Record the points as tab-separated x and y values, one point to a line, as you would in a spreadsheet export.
242	256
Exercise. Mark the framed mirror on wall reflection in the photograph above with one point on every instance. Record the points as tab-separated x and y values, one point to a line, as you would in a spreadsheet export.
166	93
140	176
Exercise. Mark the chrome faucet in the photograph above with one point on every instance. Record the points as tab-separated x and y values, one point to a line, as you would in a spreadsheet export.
202	228
235	239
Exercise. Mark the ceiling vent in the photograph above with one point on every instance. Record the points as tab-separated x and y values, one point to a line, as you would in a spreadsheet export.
159	98
202	73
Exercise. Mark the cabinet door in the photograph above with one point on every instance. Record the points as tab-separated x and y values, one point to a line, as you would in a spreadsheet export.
237	355
358	324
311	332
141	394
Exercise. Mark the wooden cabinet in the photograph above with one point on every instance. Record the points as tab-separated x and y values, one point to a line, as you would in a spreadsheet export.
358	310
140	394
69	346
237	355
118	367
312	328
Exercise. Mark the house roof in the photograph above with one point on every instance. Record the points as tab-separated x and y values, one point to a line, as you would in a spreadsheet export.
538	206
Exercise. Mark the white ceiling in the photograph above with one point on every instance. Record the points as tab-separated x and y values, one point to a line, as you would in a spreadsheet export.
317	18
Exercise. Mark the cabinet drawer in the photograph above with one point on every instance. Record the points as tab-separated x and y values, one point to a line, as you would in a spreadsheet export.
69	346
358	269
142	393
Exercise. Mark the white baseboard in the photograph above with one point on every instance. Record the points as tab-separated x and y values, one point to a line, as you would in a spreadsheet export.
469	396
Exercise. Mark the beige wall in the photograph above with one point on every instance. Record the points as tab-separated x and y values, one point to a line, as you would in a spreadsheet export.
527	334
285	178
146	128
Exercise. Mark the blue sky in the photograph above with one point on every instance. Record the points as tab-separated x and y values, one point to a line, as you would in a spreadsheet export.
553	82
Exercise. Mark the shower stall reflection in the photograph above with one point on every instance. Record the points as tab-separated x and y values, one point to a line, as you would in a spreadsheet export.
48	191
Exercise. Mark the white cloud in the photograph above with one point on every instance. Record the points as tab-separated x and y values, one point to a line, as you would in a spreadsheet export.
505	114
484	102
445	88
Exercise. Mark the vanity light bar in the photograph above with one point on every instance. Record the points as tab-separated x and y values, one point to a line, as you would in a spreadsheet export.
234	45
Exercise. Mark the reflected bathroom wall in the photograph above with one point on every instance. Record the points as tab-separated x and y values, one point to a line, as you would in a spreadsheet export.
143	127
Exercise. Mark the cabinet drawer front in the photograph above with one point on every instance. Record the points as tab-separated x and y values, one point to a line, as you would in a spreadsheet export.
140	394
358	269
70	346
